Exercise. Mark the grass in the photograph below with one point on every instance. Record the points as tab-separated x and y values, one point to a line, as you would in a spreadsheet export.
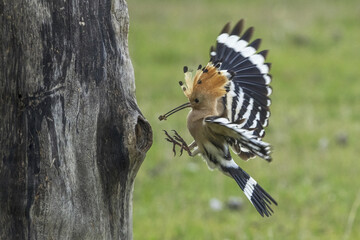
314	126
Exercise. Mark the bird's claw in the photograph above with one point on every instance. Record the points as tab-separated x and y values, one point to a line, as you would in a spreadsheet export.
177	140
171	140
184	145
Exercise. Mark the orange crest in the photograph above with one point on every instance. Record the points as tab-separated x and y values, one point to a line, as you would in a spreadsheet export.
207	81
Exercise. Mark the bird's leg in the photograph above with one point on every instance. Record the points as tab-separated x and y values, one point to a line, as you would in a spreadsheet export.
173	141
192	146
184	145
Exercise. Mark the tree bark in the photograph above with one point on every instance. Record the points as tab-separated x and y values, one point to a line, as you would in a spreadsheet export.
72	136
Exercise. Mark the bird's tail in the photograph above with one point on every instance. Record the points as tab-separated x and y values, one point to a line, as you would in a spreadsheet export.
253	191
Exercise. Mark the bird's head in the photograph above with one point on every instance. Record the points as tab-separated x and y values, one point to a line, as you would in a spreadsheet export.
203	89
206	86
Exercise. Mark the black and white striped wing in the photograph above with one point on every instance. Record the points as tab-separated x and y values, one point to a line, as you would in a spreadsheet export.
232	133
247	101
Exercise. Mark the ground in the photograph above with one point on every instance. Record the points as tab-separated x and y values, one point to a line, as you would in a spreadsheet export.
314	125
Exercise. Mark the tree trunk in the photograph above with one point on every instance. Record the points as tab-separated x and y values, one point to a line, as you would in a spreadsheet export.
72	136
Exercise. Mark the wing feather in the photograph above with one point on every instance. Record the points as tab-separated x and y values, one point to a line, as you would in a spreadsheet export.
232	133
249	88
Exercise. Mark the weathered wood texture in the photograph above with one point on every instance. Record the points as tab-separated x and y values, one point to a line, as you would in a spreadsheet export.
72	136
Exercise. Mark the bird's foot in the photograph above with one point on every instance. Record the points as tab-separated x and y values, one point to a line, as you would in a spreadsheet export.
171	140
184	145
177	140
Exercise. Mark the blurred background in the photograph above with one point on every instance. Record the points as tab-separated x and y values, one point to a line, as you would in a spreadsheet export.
314	124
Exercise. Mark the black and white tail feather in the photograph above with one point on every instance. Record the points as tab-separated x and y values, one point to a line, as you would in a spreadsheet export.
247	100
246	106
255	193
258	197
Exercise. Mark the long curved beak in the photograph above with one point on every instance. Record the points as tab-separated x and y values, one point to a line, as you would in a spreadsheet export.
181	107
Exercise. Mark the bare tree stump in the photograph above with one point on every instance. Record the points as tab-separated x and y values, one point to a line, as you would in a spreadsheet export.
72	136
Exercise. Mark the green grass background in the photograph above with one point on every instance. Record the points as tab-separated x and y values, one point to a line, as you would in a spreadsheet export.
314	51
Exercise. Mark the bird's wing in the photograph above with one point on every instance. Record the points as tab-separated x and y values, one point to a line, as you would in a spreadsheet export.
247	100
221	126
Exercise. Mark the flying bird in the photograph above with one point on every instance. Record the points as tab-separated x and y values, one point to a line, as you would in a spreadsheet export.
229	101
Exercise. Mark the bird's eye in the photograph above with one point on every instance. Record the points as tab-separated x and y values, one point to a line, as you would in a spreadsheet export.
196	100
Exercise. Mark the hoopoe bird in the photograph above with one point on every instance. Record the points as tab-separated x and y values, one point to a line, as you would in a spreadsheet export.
229	101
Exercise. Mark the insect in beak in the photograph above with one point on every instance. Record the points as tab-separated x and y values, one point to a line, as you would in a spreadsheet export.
181	107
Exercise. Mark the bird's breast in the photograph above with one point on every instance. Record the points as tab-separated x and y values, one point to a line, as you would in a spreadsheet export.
195	125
